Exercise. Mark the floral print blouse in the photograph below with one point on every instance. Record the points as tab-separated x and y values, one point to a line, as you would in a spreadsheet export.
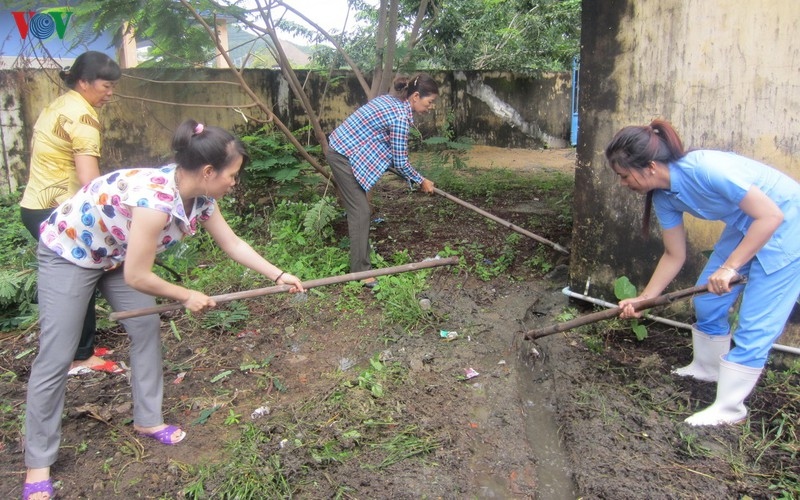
91	229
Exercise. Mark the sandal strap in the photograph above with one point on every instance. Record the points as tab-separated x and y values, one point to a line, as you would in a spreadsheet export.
45	486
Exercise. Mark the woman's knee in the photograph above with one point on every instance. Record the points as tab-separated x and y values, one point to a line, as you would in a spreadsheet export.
143	327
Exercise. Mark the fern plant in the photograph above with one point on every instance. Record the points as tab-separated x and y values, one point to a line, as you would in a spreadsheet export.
17	298
226	318
319	217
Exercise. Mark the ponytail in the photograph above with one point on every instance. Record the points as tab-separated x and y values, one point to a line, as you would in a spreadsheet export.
404	87
196	145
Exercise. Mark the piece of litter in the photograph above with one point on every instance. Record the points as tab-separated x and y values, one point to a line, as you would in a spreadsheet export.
246	333
79	370
501	362
448	335
346	363
260	412
179	378
470	373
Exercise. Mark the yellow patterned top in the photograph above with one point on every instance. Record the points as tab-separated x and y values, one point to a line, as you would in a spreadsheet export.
67	127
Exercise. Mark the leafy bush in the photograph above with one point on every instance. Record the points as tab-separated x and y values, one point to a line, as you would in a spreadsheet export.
274	162
17	268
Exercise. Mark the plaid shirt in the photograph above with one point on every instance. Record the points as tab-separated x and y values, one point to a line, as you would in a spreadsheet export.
375	138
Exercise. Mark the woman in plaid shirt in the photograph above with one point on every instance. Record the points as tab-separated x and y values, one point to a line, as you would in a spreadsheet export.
366	145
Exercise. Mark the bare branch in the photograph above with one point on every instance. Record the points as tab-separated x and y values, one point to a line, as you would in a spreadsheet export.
278	123
337	45
294	83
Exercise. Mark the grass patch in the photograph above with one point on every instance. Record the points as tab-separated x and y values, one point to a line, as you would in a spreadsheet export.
357	424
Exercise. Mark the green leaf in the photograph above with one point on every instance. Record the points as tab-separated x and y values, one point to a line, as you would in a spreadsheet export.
624	289
205	415
221	376
639	330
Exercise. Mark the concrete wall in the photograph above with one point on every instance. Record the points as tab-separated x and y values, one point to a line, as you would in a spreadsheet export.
491	108
724	72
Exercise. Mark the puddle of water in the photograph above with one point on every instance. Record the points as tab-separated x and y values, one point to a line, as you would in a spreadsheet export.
552	465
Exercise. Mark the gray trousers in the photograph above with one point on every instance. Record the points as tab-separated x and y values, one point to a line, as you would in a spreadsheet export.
358	210
64	290
31	219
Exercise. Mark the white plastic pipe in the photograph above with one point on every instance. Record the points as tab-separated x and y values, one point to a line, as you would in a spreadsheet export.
566	291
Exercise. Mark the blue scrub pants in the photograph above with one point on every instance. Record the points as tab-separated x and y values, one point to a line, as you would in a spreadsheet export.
767	302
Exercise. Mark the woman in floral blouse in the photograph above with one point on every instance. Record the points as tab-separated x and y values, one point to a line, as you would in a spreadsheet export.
127	217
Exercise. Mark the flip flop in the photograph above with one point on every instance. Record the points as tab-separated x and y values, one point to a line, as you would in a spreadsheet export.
109	366
102	351
164	436
45	486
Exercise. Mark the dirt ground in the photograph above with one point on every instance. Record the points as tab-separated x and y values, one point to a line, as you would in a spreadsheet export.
556	418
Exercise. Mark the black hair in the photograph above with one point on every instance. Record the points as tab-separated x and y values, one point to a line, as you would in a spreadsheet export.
196	145
90	66
636	146
404	86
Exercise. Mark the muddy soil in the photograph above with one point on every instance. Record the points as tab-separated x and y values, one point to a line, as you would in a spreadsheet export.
550	419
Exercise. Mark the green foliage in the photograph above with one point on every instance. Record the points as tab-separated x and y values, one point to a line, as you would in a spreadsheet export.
370	379
307	254
488	183
319	217
17	268
179	260
487	268
233	418
178	40
364	433
226	317
399	296
540	260
274	162
624	289
516	35
247	472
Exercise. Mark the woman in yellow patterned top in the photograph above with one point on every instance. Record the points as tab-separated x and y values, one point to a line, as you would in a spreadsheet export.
65	155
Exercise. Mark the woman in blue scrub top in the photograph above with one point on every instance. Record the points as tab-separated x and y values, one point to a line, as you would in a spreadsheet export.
760	207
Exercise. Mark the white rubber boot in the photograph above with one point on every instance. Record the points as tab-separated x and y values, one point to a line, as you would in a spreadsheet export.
707	350
735	383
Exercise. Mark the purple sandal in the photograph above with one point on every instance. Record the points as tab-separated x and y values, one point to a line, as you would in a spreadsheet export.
45	486
164	436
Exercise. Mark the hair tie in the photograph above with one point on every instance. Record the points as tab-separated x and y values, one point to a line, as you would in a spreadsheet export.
198	129
415	82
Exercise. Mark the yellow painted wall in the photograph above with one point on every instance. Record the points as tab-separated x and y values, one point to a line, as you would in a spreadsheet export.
725	73
150	103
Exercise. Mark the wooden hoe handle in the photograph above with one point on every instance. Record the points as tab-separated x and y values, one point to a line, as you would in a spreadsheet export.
611	313
258	292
